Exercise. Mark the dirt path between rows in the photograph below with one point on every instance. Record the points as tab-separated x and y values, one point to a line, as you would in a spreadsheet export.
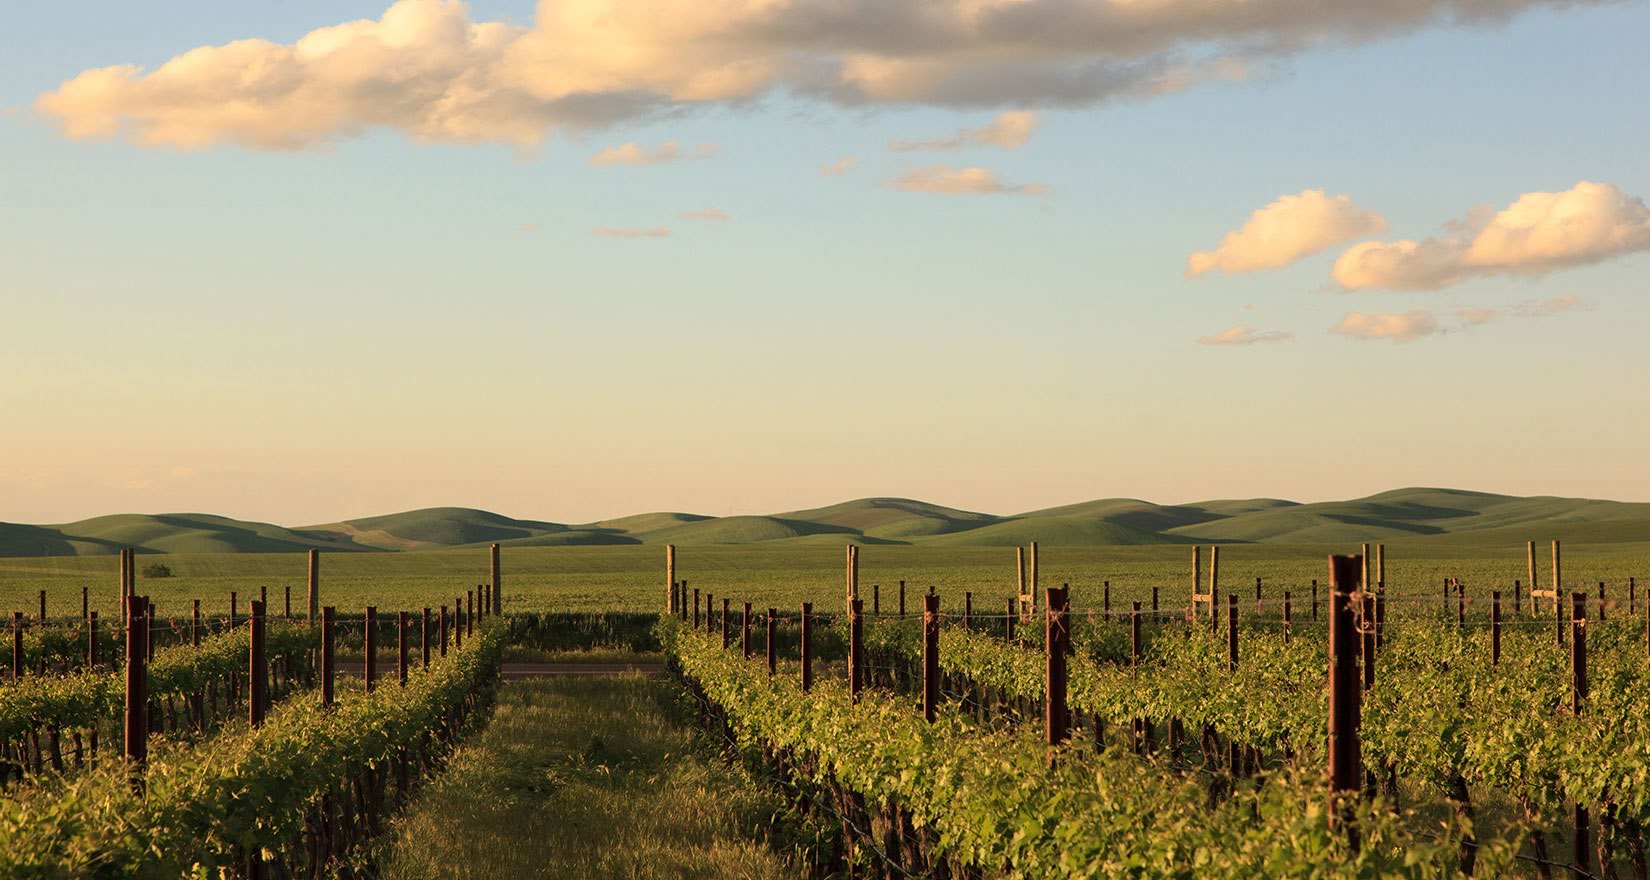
519	671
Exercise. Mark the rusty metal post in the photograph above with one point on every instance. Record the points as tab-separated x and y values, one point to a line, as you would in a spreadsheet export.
258	669
1345	696
401	647
1578	703
1495	627
370	647
137	692
1057	639
930	655
807	646
856	650
773	641
327	666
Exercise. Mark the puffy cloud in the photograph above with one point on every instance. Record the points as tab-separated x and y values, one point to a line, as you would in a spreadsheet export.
839	167
426	69
630	232
1286	230
1010	130
1404	327
1245	335
715	214
944	179
1536	234
636	154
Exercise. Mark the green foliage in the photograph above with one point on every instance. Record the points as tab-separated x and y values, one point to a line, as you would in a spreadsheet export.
244	790
996	800
157	570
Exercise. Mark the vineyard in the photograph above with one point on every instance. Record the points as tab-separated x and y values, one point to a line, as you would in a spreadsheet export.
1324	729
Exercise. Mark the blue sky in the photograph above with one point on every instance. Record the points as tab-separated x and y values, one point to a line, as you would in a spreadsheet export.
376	323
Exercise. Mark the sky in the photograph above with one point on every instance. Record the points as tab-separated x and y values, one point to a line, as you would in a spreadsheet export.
305	261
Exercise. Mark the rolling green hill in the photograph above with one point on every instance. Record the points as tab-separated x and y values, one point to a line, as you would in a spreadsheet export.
1455	517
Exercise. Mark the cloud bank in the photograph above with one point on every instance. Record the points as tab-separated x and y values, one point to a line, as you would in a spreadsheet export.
1286	230
1010	131
1245	335
943	179
426	69
1399	327
1535	235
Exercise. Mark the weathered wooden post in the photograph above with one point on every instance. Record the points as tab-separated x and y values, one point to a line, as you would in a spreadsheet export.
725	604
1368	627
1495	627
696	608
1057	638
287	613
458	622
856	650
401	647
1020	579
16	646
1529	558
876	599
327	665
1154	605
1345	695
1214	588
370	647
195	625
931	649
137	692
497	580
1197	576
149	633
1380	615
902	598
745	630
234	611
424	637
470	613
773	641
1517	602
314	598
85	604
1460	604
1034	580
1578	703
442	622
1380	567
1009	620
1138	728
1314	599
1603	601
258	669
670	577
1257	597
808	645
1363	570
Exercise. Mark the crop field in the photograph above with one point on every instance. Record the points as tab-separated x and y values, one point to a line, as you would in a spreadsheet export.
632	578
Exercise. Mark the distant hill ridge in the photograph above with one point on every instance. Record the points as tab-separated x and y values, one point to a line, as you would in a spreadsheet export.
1447	515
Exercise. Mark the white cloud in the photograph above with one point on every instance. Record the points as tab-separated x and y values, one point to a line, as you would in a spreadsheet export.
426	69
1245	335
1537	234
839	167
713	214
944	179
631	232
1404	327
1292	227
636	154
1010	130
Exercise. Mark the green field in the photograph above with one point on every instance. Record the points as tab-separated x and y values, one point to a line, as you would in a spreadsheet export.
784	575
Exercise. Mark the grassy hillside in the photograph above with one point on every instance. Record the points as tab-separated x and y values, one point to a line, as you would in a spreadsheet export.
1455	517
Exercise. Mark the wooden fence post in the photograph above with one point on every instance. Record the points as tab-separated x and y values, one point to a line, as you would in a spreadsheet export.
1138	727
401	647
287	614
137	692
257	669
1057	639
458	622
314	597
808	646
1197	576
902	598
424	637
1019	580
1495	627
1345	696
1314	599
931	650
773	641
327	614
195	625
1234	756
470	612
745	630
1257	597
725	604
443	634
683	591
1578	703
856	650
1105	600
497	581
1603	615
670	576
370	647
1367	621
710	603
85	604
1380	616
1154	605
876	599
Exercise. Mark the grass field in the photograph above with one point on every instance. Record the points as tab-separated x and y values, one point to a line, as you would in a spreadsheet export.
784	575
588	778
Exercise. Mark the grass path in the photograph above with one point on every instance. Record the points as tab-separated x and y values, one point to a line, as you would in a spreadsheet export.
588	778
